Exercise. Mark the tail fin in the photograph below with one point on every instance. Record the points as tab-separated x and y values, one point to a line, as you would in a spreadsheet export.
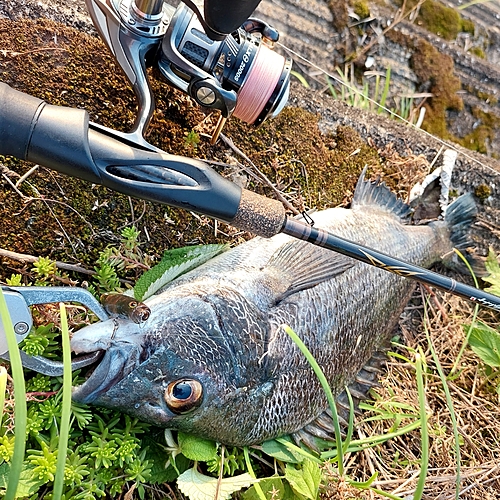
459	217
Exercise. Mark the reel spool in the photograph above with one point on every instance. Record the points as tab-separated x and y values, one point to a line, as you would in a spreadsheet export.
239	74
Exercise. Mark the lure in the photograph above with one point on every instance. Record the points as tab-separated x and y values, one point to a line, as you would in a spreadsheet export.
125	307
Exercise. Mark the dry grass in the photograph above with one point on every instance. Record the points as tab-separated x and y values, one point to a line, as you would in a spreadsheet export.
476	407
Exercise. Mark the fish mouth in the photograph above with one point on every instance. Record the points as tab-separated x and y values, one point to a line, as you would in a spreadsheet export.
120	345
106	373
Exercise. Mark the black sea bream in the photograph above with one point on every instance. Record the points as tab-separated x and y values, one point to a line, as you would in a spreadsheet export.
213	359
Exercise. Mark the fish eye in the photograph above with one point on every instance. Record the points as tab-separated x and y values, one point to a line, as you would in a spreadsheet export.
183	395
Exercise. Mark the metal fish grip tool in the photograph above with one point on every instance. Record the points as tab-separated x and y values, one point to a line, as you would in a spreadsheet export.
19	300
224	61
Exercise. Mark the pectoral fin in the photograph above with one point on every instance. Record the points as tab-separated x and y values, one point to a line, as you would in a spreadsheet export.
298	265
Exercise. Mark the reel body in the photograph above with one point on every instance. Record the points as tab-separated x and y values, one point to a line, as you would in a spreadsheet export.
237	72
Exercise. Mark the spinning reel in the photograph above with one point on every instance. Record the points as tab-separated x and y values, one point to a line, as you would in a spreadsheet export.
222	59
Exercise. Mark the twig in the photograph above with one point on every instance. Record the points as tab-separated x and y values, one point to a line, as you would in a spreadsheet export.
6	177
8	171
26	175
13	53
263	177
26	258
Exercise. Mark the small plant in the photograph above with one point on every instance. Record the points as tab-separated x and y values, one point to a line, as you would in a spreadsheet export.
191	140
45	270
126	258
373	96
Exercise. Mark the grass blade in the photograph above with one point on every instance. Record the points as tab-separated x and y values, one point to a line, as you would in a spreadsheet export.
300	78
424	431
257	486
449	402
62	450
20	410
326	387
3	388
385	92
350	427
474	316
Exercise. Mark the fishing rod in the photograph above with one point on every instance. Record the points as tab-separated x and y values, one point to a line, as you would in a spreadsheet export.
63	139
222	64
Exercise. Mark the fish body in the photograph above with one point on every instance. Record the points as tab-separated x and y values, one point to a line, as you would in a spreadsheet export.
213	358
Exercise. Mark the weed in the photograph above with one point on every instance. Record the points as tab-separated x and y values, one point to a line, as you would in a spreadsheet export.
191	140
373	95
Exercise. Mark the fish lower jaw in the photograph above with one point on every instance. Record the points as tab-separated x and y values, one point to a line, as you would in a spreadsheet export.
108	372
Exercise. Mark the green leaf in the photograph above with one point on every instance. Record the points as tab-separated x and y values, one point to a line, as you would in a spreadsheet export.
160	474
273	488
485	342
199	487
493	269
281	452
196	448
304	481
28	483
162	470
173	263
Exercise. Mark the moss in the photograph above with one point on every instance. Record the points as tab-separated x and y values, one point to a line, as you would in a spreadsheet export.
484	96
437	18
478	51
435	72
339	14
477	139
483	192
488	98
467	26
293	153
361	9
484	132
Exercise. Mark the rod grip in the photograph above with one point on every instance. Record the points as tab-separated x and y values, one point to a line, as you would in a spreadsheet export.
18	116
259	215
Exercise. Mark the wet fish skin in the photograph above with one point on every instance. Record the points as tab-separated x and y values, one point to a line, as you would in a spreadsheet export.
221	325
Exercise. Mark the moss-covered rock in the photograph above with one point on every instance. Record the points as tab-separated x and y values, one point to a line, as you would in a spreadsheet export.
435	73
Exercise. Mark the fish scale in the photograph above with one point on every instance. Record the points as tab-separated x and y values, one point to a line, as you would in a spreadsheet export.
219	327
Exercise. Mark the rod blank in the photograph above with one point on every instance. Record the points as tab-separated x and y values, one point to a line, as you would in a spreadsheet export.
325	239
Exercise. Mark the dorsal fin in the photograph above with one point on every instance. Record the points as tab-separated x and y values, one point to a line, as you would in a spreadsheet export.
301	265
376	193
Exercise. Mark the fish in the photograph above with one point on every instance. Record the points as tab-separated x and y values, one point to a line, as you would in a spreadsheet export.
214	359
123	306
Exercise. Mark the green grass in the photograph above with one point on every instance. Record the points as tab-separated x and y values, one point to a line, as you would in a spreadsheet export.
20	411
62	449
